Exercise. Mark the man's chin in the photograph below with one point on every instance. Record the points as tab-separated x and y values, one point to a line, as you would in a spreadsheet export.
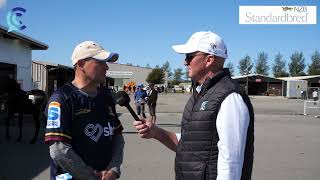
190	75
99	81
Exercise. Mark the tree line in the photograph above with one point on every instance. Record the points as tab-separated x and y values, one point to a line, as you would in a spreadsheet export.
295	67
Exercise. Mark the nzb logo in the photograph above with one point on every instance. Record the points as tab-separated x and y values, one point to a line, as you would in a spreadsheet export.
13	19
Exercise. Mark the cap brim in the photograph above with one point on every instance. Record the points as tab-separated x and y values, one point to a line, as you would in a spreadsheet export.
113	57
183	49
106	56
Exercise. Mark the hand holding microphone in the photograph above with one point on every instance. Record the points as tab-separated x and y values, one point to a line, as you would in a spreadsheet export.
145	128
123	99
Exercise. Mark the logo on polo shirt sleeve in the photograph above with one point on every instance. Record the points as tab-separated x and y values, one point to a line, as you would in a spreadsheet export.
54	114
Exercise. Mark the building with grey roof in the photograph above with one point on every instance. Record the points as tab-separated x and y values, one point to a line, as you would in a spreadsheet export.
16	56
124	74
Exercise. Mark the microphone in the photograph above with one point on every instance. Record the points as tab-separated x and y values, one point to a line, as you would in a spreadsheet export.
123	99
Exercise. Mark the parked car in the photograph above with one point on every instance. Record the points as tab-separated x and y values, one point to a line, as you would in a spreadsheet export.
178	89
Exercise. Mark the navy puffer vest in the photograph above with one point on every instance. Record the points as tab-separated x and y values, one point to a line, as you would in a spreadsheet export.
197	151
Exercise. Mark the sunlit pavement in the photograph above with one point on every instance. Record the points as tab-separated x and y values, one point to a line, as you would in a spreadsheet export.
286	144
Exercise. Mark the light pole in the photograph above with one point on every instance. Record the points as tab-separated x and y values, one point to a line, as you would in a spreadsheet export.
247	85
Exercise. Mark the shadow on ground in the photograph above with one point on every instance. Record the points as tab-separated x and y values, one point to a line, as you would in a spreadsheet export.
23	161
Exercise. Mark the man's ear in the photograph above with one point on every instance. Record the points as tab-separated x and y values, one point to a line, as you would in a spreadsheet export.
81	63
210	60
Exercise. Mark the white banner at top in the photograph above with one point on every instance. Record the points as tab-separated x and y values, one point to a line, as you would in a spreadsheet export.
277	14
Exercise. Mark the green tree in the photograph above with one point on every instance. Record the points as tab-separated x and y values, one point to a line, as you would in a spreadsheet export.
279	67
156	76
148	66
177	76
230	67
245	65
186	74
297	65
262	64
166	68
314	67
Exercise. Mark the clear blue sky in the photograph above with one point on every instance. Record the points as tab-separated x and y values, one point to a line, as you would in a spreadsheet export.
142	31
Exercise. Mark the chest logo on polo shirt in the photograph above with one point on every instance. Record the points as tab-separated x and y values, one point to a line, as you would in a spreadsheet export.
82	111
203	105
96	131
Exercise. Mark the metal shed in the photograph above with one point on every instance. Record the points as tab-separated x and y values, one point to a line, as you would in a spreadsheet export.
49	76
257	84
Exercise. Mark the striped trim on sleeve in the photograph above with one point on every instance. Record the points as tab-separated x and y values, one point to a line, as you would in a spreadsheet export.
52	136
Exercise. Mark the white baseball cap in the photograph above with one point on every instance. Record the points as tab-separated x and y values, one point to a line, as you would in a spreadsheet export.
90	49
204	41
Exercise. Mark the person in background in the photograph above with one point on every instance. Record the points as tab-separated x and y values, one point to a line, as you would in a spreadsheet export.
162	89
315	96
140	100
152	102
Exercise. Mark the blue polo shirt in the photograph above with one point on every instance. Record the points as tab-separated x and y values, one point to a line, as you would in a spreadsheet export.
140	96
86	123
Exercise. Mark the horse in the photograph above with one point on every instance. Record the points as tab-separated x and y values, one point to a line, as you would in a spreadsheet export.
18	102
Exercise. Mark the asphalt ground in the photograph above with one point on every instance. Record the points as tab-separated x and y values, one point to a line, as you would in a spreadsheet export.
286	144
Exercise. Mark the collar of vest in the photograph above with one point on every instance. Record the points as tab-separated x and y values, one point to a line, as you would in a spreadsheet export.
208	83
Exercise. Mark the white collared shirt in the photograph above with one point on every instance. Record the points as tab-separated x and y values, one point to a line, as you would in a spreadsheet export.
232	124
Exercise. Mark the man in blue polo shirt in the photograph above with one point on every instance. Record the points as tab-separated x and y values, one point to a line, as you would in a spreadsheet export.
83	130
140	100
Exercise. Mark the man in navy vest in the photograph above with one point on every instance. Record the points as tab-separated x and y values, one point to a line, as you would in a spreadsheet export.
217	127
83	130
